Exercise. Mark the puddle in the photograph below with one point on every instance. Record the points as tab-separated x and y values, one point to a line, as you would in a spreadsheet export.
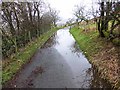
84	75
59	64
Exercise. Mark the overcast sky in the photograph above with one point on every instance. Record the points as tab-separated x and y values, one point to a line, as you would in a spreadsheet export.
66	7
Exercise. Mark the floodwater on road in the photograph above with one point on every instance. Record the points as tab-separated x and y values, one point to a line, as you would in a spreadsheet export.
59	64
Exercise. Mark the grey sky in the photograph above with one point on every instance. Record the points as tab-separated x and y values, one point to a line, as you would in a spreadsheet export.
66	7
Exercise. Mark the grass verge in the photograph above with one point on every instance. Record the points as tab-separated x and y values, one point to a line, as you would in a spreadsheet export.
16	63
100	52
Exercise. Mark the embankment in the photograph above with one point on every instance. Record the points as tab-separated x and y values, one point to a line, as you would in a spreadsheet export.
12	66
100	52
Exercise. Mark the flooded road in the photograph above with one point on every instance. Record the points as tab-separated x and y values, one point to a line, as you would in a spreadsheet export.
59	64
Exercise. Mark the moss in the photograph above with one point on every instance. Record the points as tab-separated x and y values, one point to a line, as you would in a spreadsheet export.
116	41
106	33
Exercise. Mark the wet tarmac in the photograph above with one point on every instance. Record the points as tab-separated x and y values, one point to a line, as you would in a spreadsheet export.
59	64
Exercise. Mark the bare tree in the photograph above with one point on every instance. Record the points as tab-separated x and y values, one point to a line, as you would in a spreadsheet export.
23	22
54	15
79	13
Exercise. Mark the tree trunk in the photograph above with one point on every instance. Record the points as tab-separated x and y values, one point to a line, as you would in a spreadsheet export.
102	20
29	36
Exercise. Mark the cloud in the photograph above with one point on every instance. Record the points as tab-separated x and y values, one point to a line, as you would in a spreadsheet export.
66	7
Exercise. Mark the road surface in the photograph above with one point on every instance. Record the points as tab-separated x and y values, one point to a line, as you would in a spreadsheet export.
58	64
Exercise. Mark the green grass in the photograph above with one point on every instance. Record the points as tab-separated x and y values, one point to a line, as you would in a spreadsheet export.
93	47
87	41
23	57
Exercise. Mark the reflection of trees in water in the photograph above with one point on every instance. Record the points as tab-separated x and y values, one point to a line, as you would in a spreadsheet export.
51	41
86	78
95	81
92	78
75	49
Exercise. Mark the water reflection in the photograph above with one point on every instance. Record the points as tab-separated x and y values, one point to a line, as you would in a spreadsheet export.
51	42
75	49
85	75
94	81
